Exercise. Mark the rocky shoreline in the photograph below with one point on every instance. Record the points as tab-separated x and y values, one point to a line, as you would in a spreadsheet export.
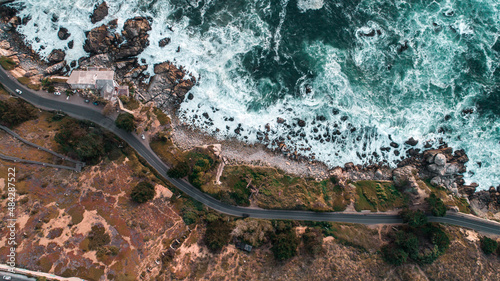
169	84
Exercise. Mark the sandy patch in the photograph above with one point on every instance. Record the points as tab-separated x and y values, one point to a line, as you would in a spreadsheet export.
89	219
162	192
471	235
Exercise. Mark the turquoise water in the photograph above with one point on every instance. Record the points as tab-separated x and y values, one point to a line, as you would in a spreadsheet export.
360	74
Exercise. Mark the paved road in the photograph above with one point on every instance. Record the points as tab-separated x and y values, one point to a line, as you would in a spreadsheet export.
91	114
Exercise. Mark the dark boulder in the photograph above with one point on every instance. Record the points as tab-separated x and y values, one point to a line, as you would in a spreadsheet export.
63	33
280	120
71	44
100	12
164	42
56	56
302	123
411	142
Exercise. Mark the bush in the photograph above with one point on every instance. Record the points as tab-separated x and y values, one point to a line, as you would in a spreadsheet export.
414	218
407	242
51	89
313	241
15	111
217	234
180	170
143	192
79	140
98	237
394	255
488	245
285	242
125	121
438	208
7	63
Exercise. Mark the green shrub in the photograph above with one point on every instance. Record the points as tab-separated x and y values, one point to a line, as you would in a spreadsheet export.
414	218
488	245
394	255
438	208
313	241
143	192
125	121
7	63
51	89
180	170
80	140
16	111
285	245
98	237
217	234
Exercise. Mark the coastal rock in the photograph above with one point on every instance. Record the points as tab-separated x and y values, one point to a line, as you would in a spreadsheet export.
71	44
4	45
132	41
99	40
53	69
405	177
280	120
100	12
56	55
440	159
134	73
411	142
164	42
302	123
63	33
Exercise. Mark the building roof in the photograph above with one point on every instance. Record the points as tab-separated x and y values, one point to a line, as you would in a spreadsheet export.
89	77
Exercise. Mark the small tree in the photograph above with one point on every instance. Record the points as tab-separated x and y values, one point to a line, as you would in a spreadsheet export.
125	121
313	241
143	192
180	170
285	245
414	218
438	208
98	237
394	255
217	234
488	245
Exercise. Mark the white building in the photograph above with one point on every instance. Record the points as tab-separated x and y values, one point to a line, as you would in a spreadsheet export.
100	80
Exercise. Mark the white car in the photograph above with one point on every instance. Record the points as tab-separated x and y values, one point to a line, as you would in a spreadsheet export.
19	91
57	93
143	137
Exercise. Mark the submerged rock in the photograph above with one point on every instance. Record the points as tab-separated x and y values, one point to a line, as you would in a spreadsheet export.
164	42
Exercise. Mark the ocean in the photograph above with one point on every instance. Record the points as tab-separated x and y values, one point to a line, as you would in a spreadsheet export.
348	77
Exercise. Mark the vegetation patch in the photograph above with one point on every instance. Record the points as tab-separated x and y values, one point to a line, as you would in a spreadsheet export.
130	103
15	111
376	195
7	63
85	141
143	192
161	116
217	234
274	189
125	121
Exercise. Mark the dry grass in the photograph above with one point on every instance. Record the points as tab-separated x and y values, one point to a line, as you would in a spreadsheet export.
377	196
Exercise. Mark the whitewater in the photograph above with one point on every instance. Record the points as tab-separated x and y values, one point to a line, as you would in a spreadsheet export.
360	75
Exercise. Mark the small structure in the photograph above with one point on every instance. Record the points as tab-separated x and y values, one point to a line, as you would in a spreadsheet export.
101	80
243	246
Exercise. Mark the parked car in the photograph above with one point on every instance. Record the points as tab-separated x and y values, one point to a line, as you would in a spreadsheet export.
57	93
95	103
87	101
143	137
19	91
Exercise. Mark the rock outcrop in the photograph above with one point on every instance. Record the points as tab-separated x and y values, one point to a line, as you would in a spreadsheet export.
164	42
56	56
131	42
100	12
171	77
63	33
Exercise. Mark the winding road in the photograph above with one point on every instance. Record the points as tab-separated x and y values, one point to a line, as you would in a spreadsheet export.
92	113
